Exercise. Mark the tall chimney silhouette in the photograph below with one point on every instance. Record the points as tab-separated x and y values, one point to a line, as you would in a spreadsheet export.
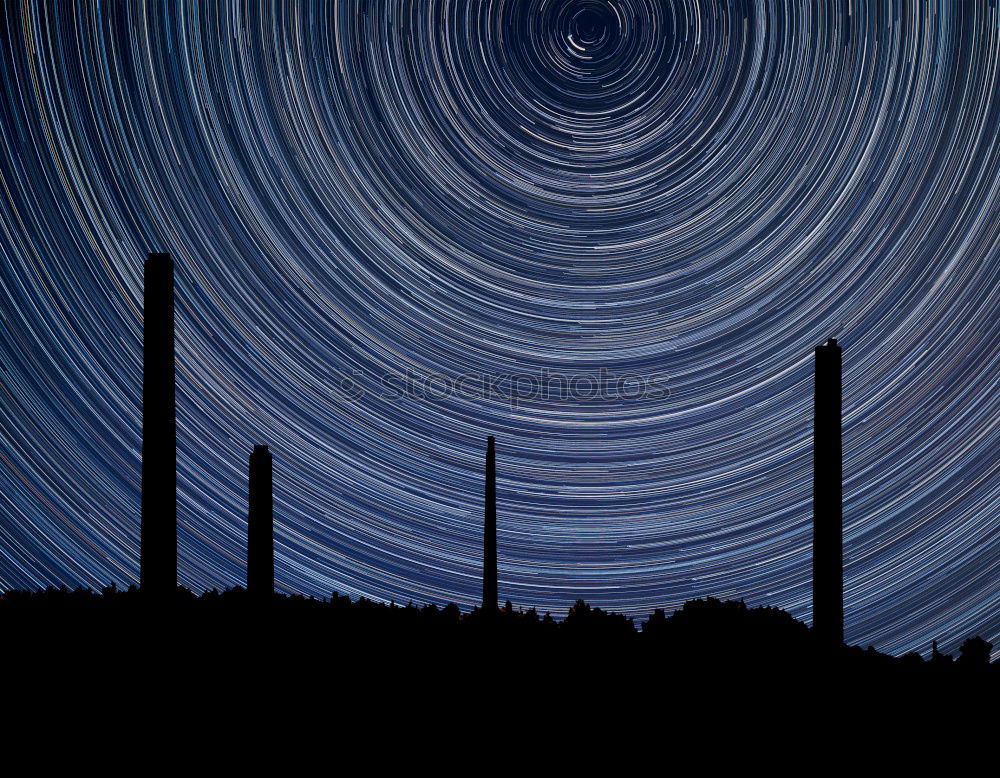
828	542
158	532
260	525
490	530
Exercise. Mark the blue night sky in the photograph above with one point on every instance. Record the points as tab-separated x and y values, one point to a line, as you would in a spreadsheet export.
400	226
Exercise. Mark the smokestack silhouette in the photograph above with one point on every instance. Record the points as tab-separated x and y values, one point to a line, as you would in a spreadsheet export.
490	530
828	551
260	525
158	532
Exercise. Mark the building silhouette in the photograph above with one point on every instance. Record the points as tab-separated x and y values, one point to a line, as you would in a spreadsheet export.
490	597
828	565
158	531
260	525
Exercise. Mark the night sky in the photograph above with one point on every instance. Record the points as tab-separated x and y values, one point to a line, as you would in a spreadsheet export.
672	202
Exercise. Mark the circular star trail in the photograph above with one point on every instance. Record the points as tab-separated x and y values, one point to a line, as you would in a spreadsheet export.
389	217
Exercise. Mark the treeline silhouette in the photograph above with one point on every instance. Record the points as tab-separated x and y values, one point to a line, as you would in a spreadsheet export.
708	635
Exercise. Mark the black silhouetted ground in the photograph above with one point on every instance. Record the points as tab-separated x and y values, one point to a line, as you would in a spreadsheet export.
240	632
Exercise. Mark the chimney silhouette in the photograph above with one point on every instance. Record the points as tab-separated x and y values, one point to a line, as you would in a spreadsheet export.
158	531
260	525
490	530
828	551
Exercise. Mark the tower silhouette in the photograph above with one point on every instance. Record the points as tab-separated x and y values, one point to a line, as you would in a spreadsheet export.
828	552
158	531
260	525
490	530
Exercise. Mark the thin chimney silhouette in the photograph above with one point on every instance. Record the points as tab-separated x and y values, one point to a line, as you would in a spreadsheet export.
260	525
158	531
828	551
490	530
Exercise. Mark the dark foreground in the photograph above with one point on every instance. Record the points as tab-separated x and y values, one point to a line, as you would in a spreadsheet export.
243	634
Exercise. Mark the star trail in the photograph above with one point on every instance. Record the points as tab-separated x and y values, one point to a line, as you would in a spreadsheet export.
393	220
